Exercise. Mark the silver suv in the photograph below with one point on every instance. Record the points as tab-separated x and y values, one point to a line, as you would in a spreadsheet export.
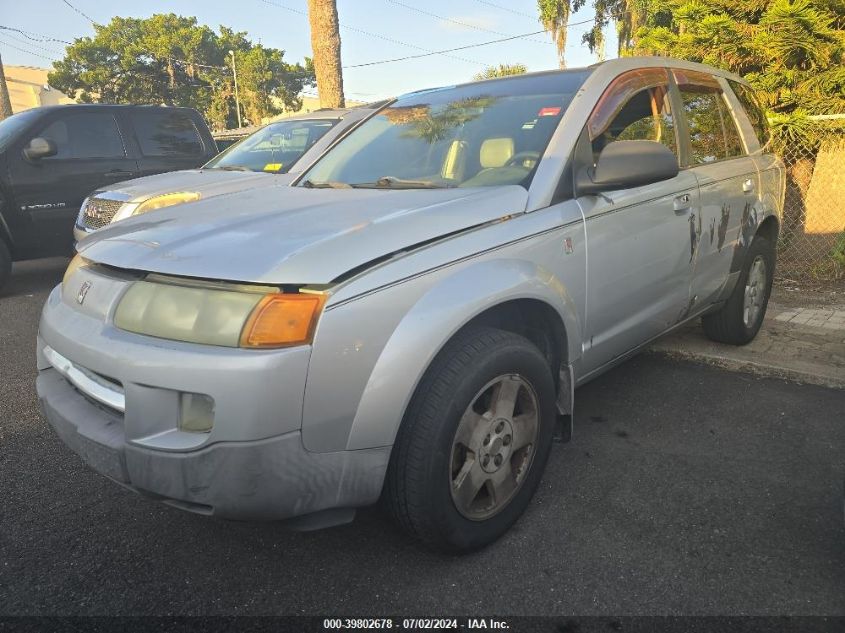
410	320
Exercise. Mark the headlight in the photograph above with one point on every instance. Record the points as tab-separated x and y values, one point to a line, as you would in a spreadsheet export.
213	314
165	200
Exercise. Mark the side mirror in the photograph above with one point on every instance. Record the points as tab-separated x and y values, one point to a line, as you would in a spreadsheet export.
626	164
39	148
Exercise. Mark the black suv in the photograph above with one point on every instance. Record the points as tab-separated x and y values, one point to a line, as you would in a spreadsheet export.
51	158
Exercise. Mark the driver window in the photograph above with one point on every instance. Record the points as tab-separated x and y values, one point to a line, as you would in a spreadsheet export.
635	107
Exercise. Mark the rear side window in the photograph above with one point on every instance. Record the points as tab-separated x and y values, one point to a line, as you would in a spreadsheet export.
85	135
162	133
713	132
754	111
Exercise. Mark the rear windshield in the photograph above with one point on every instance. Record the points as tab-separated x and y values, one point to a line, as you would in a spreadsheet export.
484	134
10	127
274	148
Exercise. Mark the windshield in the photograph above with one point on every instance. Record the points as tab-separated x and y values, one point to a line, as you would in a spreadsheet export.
11	126
273	148
476	135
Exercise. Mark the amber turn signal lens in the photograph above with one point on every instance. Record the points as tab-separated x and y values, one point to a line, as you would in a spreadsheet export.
281	319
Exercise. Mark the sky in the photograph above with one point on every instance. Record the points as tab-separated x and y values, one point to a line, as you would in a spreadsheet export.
371	30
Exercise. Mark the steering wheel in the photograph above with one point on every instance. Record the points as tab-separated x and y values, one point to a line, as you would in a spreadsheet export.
526	159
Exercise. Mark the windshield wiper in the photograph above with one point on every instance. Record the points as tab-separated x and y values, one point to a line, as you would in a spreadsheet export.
231	168
392	182
310	184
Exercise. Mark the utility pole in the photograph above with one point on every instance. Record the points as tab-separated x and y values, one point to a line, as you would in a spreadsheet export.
237	99
5	102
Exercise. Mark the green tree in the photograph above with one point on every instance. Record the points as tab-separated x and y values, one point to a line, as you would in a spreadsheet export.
502	70
792	51
170	59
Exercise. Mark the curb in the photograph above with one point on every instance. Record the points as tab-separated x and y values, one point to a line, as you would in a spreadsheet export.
764	369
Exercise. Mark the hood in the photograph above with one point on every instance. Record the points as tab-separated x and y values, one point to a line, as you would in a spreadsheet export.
293	235
208	182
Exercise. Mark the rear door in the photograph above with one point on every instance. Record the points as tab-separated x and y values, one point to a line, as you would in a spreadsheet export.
727	180
167	140
49	191
638	240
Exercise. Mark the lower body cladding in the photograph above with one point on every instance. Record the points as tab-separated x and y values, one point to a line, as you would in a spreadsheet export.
252	465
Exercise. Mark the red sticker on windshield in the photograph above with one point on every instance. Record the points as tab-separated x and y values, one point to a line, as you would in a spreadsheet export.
549	111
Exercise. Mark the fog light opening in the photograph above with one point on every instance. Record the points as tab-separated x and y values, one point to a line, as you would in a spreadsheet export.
196	413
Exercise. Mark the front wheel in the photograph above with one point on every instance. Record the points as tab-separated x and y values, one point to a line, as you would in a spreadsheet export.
474	442
739	320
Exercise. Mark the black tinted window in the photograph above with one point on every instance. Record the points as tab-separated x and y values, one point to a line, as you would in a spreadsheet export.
85	135
162	133
752	108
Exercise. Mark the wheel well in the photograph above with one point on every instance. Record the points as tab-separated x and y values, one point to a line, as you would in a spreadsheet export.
769	229
535	320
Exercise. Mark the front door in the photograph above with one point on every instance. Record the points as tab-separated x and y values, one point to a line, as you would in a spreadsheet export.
640	248
50	190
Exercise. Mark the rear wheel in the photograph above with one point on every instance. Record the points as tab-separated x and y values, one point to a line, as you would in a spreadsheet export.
474	442
739	320
5	263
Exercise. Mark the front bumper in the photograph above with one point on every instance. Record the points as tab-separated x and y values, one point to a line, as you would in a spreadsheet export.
270	479
251	465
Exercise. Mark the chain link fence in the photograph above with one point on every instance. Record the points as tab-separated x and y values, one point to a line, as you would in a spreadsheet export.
811	248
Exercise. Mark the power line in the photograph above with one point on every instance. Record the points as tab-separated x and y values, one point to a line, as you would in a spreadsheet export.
508	9
36	46
28	35
447	50
371	34
458	22
25	51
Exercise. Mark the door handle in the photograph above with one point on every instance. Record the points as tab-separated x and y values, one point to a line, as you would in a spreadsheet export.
117	173
682	202
748	186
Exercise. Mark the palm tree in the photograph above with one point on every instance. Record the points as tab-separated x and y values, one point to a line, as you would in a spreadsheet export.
5	102
325	44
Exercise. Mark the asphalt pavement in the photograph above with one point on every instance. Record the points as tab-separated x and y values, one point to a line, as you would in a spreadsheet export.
686	490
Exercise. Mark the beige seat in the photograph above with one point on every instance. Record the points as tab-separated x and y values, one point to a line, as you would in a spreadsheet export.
495	152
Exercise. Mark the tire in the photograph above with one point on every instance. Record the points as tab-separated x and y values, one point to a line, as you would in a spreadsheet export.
5	264
737	323
479	368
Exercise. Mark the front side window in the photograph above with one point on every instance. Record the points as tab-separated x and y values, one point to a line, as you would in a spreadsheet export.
635	107
713	132
484	134
162	133
85	135
274	148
